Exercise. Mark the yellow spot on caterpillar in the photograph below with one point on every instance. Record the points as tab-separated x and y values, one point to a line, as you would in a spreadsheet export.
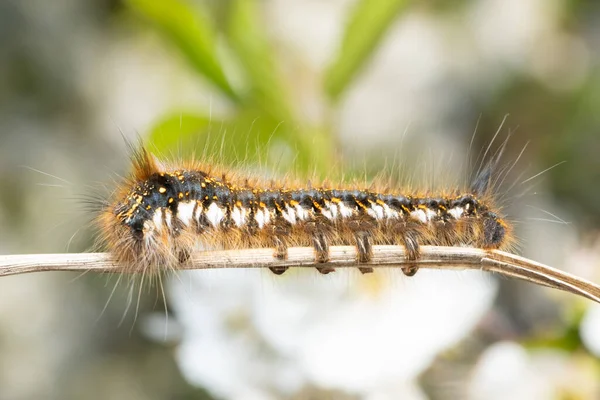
162	190
180	195
262	205
317	205
205	197
130	212
171	200
336	200
215	198
380	202
238	203
148	207
361	205
293	203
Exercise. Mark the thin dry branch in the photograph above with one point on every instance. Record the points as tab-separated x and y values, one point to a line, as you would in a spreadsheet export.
452	258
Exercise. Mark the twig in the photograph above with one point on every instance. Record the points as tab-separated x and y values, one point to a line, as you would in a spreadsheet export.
340	257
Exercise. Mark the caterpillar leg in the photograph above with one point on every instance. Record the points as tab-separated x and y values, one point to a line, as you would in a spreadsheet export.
183	256
364	250
321	252
363	227
409	238
321	247
411	246
182	243
281	230
319	229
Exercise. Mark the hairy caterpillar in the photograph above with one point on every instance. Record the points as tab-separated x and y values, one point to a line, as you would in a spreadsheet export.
159	214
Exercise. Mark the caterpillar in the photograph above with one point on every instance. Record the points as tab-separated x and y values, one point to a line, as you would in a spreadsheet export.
160	213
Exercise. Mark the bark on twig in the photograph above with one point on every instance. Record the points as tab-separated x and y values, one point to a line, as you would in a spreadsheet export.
452	258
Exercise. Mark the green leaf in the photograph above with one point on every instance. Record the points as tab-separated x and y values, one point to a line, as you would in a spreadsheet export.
191	31
367	25
249	41
244	138
181	134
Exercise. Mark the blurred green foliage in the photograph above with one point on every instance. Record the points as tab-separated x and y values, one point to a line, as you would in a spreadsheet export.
190	30
365	29
237	58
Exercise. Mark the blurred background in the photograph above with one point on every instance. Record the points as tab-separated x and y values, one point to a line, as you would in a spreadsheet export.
289	85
